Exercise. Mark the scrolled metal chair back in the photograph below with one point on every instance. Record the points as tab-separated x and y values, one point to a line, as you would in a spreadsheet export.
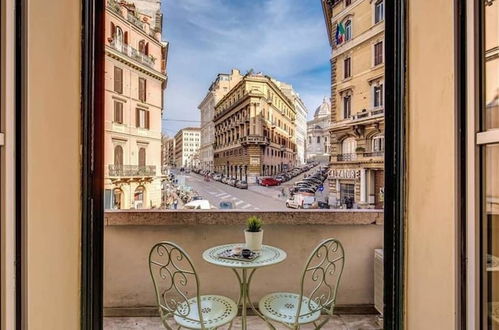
171	270
322	272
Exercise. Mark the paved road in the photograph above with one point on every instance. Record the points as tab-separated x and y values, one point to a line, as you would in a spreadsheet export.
242	199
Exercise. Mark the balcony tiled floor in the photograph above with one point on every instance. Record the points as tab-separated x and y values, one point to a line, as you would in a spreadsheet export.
338	322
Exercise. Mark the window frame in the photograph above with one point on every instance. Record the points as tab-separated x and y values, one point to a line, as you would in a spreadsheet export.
347	60
93	146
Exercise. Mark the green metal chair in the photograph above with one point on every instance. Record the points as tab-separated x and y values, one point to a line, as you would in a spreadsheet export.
171	271
321	276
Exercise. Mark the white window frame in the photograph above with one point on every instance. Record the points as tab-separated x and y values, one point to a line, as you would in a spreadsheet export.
374	11
375	84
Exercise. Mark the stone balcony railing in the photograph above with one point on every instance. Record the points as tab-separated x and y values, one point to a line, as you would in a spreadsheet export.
129	236
254	139
132	170
133	53
350	157
365	115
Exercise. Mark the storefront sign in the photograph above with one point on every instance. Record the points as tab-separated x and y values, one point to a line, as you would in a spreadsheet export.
344	174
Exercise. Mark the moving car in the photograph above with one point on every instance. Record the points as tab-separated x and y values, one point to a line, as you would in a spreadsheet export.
202	204
269	182
300	201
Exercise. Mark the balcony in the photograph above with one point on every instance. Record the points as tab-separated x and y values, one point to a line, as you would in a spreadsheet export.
132	170
135	21
254	139
373	154
128	290
133	53
346	157
362	116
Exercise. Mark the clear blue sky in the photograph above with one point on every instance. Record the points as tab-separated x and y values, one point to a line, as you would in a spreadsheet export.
285	39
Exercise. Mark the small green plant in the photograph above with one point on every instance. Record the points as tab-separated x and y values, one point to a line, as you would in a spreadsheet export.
254	224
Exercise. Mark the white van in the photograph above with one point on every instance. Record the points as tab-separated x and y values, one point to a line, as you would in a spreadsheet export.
300	201
201	204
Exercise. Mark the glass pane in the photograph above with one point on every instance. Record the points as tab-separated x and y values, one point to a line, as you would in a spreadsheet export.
491	235
491	65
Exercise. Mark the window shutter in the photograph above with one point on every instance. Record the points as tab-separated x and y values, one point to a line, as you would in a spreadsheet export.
147	119
126	38
147	49
137	117
113	30
118	80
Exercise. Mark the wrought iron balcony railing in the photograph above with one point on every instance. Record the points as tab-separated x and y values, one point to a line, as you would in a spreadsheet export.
133	53
132	170
346	157
374	154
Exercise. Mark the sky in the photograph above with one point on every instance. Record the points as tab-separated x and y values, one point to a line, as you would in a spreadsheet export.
285	39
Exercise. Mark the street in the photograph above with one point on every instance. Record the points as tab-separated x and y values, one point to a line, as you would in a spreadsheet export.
254	198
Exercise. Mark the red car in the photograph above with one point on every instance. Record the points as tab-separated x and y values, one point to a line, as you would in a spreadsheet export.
269	182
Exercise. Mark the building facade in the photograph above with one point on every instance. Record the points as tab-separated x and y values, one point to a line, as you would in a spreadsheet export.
221	86
187	143
254	130
168	152
356	34
317	141
135	77
301	120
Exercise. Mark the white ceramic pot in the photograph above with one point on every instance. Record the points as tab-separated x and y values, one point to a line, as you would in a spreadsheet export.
254	240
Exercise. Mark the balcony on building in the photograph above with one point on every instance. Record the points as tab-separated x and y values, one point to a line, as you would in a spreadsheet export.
133	53
362	117
358	156
131	171
254	139
130	234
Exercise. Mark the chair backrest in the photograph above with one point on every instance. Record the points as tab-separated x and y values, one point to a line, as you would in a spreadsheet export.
172	271
322	273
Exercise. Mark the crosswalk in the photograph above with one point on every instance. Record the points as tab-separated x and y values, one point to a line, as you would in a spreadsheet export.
238	203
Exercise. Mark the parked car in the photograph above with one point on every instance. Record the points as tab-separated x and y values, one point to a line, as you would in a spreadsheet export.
323	205
242	184
217	177
197	198
232	182
226	205
269	182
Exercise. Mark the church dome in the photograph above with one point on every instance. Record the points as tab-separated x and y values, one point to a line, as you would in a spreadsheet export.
323	110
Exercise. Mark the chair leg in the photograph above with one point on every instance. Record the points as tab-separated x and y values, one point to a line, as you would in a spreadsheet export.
317	327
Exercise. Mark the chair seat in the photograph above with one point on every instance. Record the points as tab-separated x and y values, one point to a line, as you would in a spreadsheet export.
282	307
216	310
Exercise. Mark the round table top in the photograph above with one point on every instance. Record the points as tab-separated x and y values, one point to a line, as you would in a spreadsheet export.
270	255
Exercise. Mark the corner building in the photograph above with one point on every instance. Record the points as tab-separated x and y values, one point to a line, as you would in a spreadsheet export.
356	35
254	130
135	78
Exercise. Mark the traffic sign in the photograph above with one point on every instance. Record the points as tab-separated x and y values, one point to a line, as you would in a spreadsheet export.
321	188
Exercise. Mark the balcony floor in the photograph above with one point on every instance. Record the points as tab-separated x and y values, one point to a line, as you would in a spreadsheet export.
338	322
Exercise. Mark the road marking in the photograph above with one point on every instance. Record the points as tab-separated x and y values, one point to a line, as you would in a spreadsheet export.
238	203
256	208
225	197
234	198
246	206
221	194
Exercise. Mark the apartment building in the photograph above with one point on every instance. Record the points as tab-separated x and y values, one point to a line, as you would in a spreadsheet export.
356	35
186	146
255	132
167	151
218	88
301	120
135	77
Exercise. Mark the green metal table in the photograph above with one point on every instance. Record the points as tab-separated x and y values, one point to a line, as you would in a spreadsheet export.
269	256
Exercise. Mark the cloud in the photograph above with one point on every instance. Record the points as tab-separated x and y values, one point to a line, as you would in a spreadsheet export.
283	38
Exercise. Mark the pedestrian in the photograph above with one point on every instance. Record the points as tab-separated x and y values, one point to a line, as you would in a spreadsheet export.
175	202
283	192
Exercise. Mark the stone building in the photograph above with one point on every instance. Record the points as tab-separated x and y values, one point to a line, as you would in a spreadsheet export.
317	142
254	130
135	77
218	88
167	151
187	143
356	35
301	120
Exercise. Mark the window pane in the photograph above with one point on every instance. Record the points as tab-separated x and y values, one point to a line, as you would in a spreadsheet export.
491	56
490	240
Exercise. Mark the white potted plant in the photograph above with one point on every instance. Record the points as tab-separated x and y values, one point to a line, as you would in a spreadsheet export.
254	233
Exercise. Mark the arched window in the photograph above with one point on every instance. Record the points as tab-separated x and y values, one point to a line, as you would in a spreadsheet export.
117	197
138	197
118	155
142	157
144	47
349	145
378	143
119	38
348	30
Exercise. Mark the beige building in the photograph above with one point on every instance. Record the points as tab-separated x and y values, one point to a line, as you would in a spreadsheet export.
168	151
135	77
221	86
254	130
356	34
186	146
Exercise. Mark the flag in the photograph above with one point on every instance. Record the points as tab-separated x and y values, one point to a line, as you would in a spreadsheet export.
340	33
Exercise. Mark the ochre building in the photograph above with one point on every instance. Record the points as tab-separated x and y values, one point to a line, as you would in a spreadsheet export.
254	130
356	35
